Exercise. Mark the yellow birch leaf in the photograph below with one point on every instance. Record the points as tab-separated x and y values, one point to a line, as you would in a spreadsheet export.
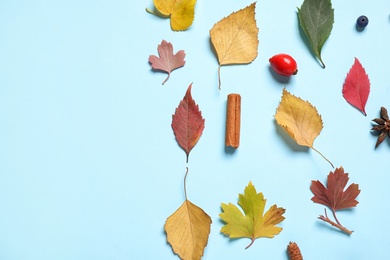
254	224
235	38
299	119
181	12
188	230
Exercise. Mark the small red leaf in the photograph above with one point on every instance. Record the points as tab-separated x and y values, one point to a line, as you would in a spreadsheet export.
356	87
187	122
334	195
167	61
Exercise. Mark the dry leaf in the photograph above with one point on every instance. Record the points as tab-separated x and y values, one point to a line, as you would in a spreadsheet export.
187	123
253	224
299	119
334	196
181	12
188	230
167	61
235	38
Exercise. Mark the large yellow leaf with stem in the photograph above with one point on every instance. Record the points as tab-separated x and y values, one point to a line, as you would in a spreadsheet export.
300	120
235	38
188	229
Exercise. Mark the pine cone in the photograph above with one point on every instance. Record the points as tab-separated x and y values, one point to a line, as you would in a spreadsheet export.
294	253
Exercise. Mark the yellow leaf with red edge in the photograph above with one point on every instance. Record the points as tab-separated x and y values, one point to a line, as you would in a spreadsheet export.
235	38
253	223
299	119
181	12
188	230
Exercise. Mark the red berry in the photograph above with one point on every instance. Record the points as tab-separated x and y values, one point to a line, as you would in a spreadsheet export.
284	64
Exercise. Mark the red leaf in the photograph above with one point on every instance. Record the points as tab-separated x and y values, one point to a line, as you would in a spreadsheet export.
167	61
334	195
187	122
356	87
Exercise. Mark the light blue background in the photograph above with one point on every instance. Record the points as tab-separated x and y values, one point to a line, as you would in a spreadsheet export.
89	166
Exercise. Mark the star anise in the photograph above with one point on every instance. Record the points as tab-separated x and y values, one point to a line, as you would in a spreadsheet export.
383	126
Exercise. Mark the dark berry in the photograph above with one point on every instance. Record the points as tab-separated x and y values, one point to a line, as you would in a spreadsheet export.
362	21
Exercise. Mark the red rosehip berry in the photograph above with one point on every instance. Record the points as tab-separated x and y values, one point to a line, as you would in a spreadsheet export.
284	64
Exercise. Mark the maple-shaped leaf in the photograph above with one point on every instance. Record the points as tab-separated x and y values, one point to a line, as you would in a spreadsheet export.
181	12
253	223
187	123
299	119
187	231
334	195
356	87
235	38
167	61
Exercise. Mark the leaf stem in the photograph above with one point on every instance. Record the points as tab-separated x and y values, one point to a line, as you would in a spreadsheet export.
169	74
322	64
219	77
334	215
157	13
338	225
253	240
323	156
185	184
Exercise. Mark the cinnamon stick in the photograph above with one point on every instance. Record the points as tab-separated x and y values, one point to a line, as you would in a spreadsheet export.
233	120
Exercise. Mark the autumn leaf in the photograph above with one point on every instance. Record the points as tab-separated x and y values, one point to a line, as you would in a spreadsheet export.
167	61
334	196
188	229
181	12
187	123
235	38
300	120
253	224
316	18
357	86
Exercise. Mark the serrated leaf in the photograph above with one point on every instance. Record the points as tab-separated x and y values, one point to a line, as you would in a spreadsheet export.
254	224
187	230
187	123
181	12
316	18
299	119
334	196
235	38
167	61
356	87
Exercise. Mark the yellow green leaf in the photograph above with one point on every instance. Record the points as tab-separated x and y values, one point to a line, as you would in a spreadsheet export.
252	224
235	38
181	12
299	119
188	230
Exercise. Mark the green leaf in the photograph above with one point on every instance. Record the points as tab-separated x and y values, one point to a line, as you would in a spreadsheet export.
316	18
254	224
